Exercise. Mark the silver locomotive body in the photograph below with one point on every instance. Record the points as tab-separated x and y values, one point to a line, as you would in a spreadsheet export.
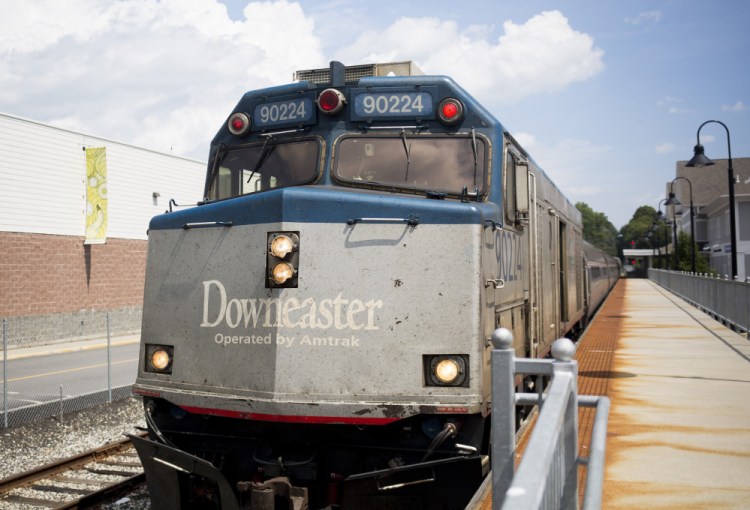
334	377
376	302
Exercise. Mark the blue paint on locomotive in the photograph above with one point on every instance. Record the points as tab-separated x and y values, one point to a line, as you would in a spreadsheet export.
326	204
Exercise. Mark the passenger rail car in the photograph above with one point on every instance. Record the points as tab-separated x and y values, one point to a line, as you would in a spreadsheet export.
319	326
602	272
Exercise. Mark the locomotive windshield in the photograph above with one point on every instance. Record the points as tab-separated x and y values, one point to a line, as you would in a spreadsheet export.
266	165
452	165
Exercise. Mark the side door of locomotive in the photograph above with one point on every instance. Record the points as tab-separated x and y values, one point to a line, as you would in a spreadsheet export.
513	300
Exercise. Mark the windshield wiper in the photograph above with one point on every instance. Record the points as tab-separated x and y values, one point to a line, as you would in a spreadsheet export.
214	170
268	146
407	149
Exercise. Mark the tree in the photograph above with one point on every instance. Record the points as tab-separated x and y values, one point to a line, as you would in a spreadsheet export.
648	230
636	233
684	256
597	229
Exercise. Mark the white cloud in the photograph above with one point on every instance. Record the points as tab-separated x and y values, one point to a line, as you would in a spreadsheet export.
678	111
668	100
665	148
544	54
645	17
739	106
162	74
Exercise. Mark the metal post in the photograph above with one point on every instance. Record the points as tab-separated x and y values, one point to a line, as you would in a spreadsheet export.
109	362
61	405
5	373
503	414
563	351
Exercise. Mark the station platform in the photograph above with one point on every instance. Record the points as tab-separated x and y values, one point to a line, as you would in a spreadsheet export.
679	386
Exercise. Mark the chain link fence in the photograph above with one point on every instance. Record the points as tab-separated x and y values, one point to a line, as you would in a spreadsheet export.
60	363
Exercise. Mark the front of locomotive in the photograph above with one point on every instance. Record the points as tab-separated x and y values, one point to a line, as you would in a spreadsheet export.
321	317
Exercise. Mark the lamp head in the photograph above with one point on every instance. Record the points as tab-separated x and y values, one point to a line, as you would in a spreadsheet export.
672	200
699	159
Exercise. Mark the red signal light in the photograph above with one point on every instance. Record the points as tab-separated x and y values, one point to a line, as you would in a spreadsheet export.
238	124
331	101
450	111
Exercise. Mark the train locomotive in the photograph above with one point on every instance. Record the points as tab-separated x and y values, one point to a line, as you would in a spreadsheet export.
316	332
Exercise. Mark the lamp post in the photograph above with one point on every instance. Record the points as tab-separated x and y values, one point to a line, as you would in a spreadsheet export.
651	239
673	201
699	159
663	217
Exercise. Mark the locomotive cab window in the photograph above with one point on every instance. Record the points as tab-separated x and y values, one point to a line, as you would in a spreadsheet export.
510	187
263	166
412	163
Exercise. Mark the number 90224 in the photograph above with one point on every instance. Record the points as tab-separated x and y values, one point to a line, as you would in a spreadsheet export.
283	112
393	104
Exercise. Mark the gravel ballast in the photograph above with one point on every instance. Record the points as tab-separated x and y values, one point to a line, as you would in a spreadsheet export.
34	444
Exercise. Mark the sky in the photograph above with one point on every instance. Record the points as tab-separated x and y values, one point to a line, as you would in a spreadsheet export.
605	95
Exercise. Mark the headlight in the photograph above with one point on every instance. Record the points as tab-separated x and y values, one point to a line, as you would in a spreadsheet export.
159	358
446	370
282	260
281	246
282	272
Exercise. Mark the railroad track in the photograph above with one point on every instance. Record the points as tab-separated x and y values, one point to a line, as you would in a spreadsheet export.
80	481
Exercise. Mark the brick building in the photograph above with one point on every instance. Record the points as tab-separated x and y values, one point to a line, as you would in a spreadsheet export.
74	213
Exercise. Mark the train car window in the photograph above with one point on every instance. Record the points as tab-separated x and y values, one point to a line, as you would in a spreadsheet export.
413	163
263	166
510	187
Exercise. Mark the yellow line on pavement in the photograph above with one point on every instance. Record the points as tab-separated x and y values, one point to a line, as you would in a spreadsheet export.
78	369
51	350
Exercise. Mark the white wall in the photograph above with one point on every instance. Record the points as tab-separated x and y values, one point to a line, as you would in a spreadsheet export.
43	188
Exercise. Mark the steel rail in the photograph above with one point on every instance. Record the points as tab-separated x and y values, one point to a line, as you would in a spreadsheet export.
79	461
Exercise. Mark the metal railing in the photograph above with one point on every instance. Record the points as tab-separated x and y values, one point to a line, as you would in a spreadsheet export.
725	300
44	375
547	477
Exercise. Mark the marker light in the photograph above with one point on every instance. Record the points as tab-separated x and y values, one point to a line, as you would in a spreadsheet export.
331	101
450	111
282	272
447	370
238	124
281	246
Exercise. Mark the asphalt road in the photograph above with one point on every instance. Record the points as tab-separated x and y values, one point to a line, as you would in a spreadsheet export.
38	378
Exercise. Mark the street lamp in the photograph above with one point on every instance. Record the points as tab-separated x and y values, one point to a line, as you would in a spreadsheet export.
663	217
699	160
673	201
651	240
